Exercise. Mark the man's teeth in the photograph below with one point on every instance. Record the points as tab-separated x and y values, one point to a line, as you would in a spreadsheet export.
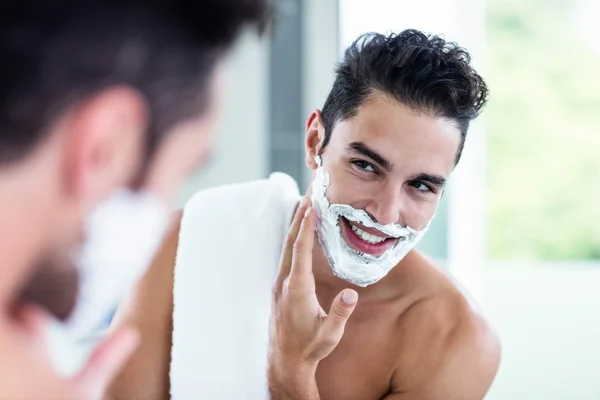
367	237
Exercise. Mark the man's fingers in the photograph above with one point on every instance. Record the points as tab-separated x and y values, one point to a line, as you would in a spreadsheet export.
285	261
342	307
106	361
301	274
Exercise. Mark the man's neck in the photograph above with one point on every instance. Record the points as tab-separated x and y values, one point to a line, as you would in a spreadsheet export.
20	232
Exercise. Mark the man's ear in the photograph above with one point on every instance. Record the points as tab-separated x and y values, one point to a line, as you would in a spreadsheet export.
315	133
105	143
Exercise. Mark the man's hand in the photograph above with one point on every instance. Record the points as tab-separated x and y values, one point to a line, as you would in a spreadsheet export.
302	334
26	371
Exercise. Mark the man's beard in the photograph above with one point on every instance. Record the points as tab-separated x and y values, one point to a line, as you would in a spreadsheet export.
53	285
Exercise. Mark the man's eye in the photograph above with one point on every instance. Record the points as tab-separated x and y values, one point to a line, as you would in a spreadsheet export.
421	187
364	165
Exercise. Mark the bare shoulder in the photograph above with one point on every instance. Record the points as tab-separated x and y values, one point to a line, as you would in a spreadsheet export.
451	350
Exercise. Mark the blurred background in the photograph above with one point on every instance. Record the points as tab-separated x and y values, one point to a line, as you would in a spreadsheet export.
519	225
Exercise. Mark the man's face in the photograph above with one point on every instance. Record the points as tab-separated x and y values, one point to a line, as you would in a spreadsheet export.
109	159
388	161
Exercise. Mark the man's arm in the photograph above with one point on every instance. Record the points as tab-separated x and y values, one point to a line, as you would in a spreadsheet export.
465	371
150	311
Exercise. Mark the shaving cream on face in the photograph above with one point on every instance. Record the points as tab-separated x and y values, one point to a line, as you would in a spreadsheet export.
346	263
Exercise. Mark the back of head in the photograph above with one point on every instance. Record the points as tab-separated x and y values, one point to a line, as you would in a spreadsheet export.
57	53
425	73
63	58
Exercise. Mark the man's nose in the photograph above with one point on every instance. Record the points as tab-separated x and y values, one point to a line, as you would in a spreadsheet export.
388	206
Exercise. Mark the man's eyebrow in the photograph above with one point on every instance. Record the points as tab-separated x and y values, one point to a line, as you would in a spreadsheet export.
436	180
363	149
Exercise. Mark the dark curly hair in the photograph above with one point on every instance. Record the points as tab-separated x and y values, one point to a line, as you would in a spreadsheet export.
423	72
57	53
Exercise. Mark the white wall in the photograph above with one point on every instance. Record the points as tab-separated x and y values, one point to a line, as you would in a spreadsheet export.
320	54
242	149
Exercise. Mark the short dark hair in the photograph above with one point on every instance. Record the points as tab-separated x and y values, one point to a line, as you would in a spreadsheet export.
57	53
423	72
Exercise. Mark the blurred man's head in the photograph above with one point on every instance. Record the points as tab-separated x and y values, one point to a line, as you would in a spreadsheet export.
104	95
391	131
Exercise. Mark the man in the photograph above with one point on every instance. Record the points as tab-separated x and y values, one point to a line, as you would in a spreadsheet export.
382	149
106	108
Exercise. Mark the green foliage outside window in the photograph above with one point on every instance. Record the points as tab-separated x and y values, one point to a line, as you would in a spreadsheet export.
543	133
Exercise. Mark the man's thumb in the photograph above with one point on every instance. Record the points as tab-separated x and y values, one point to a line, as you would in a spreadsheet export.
340	311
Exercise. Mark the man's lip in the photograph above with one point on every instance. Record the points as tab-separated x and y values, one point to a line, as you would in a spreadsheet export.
372	231
358	244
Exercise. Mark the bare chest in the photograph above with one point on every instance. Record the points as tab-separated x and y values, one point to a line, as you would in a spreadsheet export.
362	365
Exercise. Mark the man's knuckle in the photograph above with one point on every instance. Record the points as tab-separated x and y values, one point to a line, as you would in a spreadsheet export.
327	341
298	246
275	289
340	311
285	286
289	242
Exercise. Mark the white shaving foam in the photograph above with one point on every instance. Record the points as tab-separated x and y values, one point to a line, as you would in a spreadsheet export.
346	263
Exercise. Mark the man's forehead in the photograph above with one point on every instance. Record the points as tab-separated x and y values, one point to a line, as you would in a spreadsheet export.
434	141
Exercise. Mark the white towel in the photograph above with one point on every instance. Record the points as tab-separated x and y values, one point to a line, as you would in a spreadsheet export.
229	247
